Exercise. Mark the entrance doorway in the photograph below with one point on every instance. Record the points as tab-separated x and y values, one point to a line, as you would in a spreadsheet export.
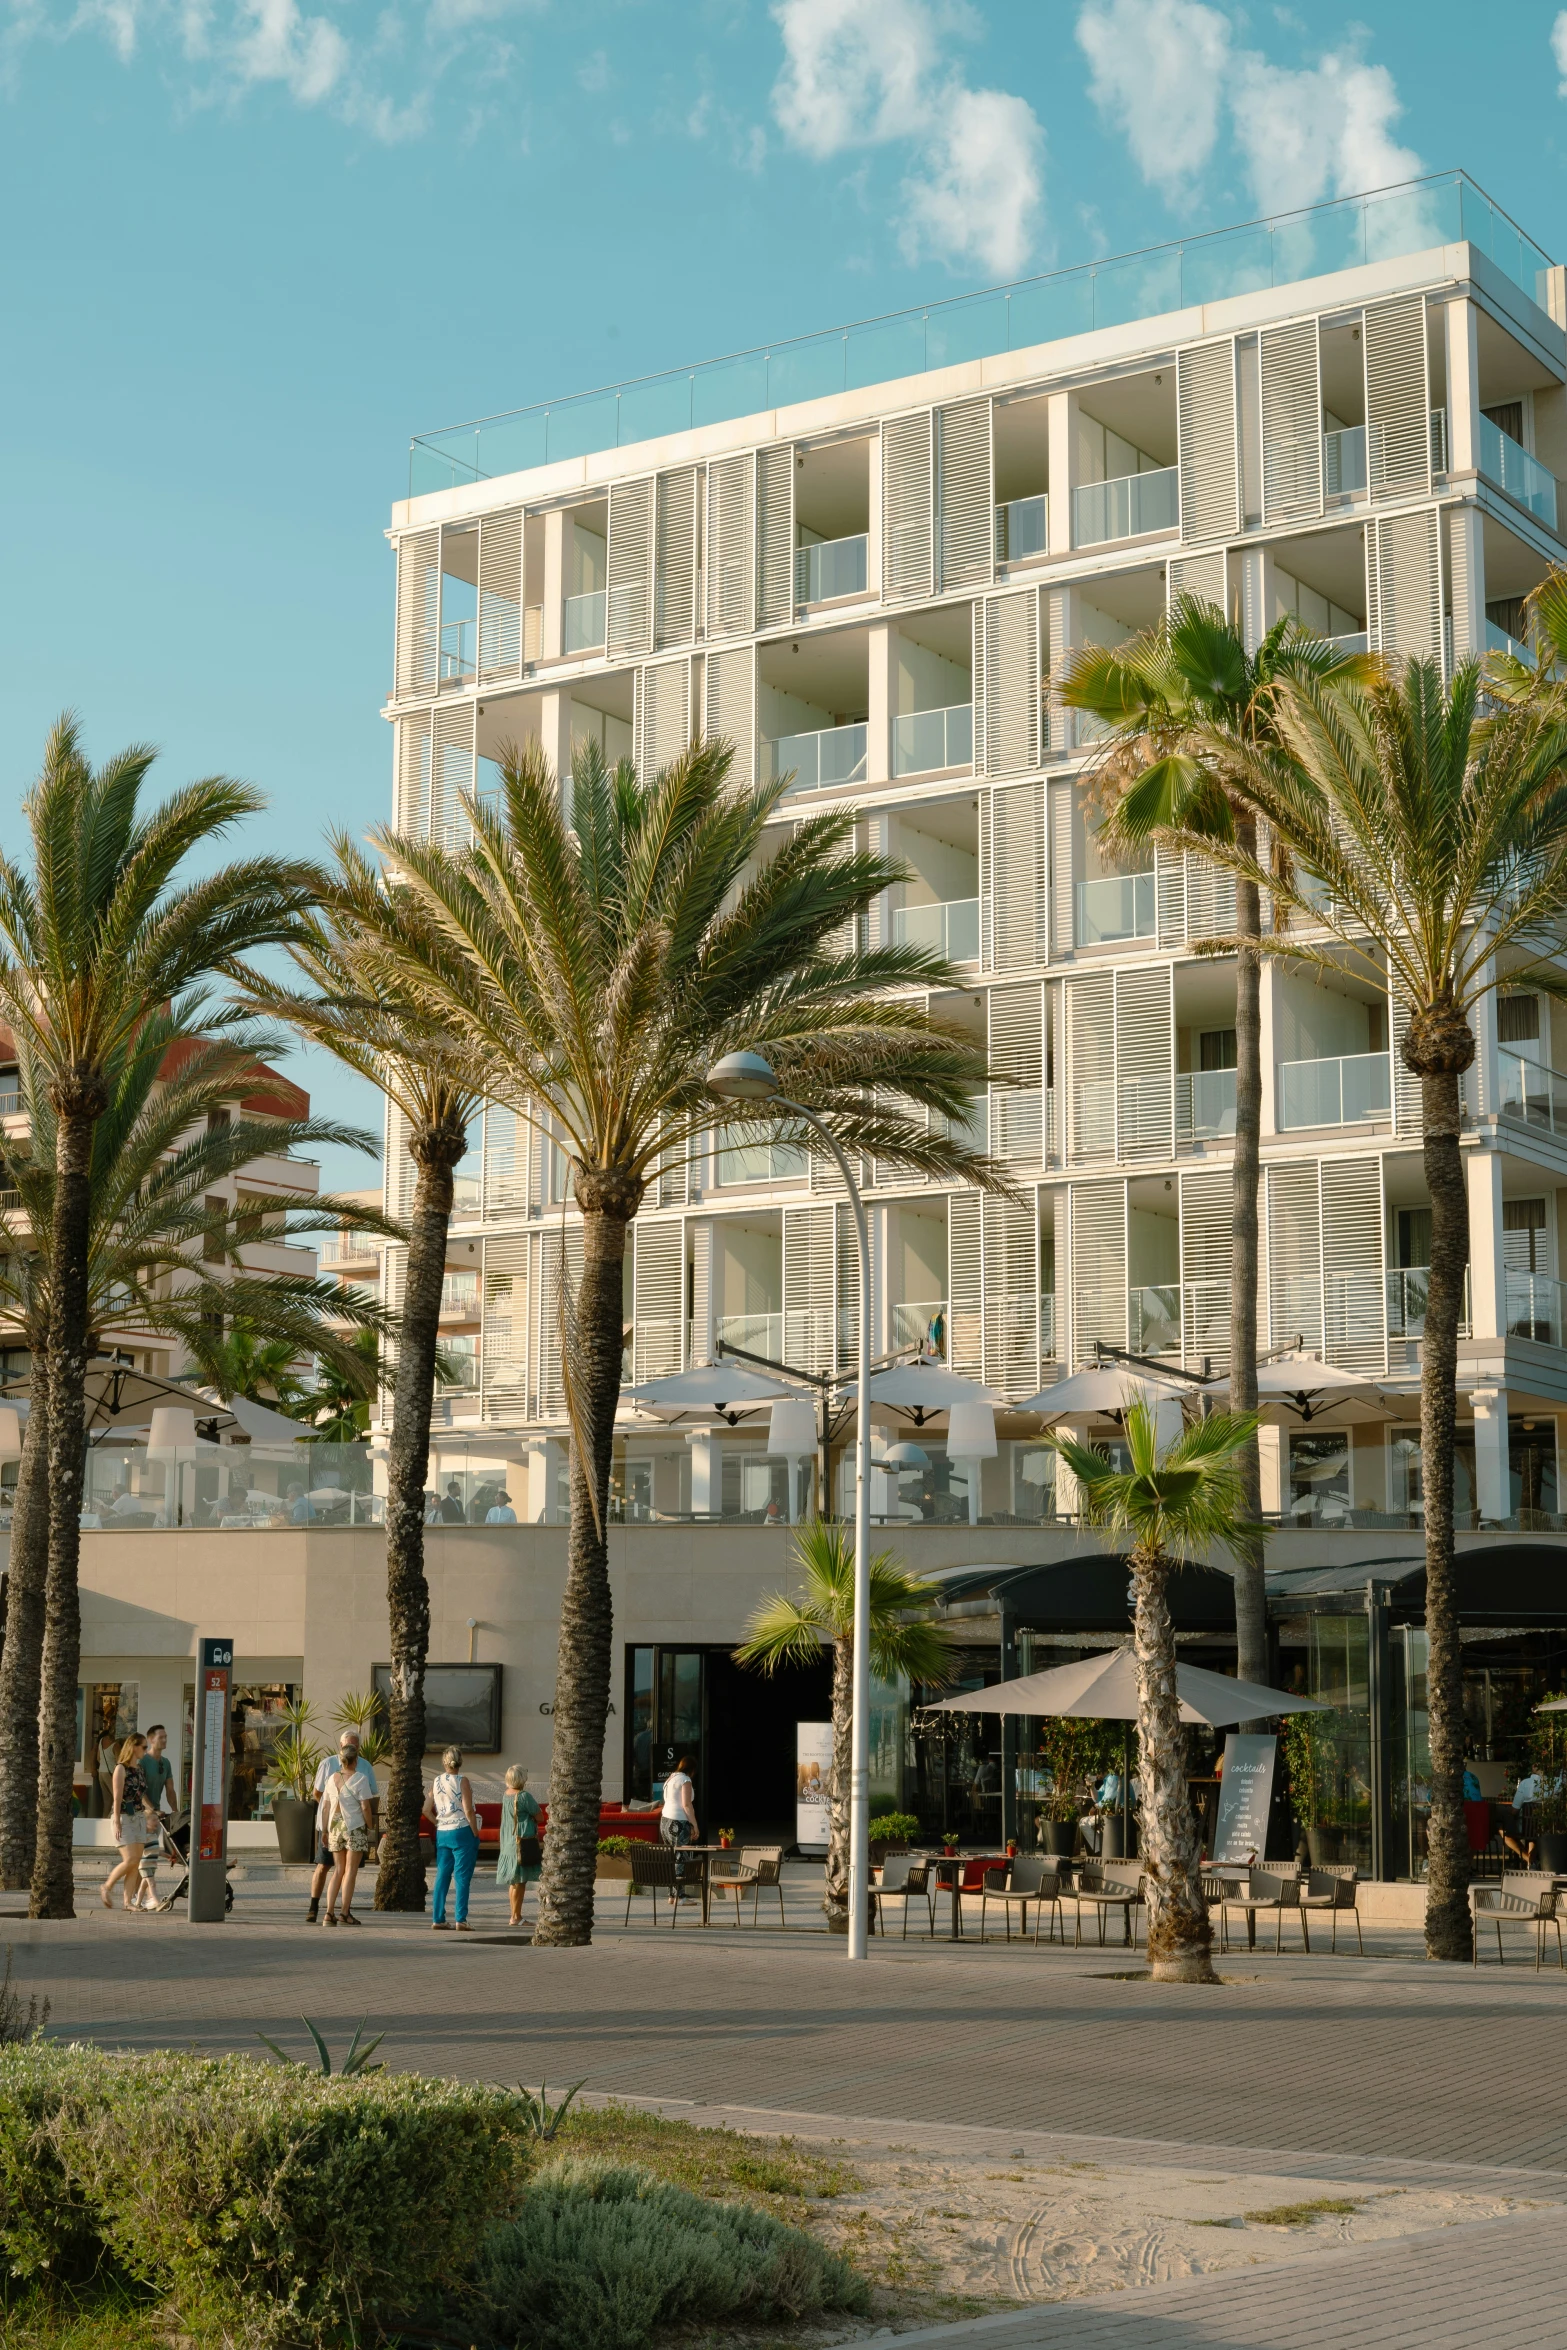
737	1727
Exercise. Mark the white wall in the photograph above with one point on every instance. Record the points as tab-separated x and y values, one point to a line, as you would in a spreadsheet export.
926	680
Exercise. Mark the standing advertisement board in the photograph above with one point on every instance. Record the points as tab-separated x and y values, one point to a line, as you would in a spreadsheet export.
210	1784
812	1782
1245	1795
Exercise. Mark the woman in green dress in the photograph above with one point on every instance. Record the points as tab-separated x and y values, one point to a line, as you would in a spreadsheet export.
518	1858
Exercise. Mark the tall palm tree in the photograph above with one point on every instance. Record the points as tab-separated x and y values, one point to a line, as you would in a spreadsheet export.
1173	1502
609	963
356	955
1181	703
1433	851
792	1628
163	1262
102	932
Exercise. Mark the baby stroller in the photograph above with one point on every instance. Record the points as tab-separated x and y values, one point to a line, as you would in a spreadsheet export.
174	1844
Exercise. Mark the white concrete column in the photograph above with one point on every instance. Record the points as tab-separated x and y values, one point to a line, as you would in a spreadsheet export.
1270	1460
555	731
873	527
878	1220
1463	388
1257	594
552	627
706	1489
880	700
1062	429
1466	573
546	1459
1267	984
1487	1283
1493	1478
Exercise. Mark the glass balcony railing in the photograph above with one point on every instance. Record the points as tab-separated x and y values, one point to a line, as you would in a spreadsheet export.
1047	1327
1022	528
1511	467
832	568
925	741
761	1162
1126	508
1153	1321
1527	1089
582	622
252	1489
1408	1290
459	651
1018	1122
1117	905
950	929
836	754
754	1334
1497	640
920	1322
1359	642
1532	1307
1204	1105
1344	461
460	1293
1343	1092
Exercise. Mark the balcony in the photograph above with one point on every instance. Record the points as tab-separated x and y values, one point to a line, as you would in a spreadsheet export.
1127	508
754	1334
761	1162
1117	906
950	929
1497	640
1344	456
926	741
1153	1320
912	1321
1019	1123
1204	1105
1408	1289
1528	1090
833	568
1345	1092
836	754
460	1297
1510	466
1022	529
1358	643
582	622
1532	1307
459	651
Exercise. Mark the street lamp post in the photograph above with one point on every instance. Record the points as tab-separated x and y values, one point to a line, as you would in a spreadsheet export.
746	1077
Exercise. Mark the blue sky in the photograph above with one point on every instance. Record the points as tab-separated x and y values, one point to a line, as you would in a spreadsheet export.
254	244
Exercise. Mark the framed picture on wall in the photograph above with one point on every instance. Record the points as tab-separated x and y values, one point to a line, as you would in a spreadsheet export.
462	1705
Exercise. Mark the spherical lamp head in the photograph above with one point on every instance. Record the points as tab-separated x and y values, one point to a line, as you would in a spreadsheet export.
743	1077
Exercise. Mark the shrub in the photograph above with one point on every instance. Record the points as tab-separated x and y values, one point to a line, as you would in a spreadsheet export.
615	1847
48	2227
600	2254
893	1827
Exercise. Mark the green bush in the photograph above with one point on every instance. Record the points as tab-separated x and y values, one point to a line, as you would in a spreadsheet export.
600	2254
297	2207
893	1827
615	1847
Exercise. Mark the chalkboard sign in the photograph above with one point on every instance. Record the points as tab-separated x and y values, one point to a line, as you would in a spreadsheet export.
1245	1795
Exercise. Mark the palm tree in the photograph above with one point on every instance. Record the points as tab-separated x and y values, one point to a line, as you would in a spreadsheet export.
1172	1503
1432	850
93	941
1180	704
337	1409
162	1262
260	1369
607	965
792	1628
356	955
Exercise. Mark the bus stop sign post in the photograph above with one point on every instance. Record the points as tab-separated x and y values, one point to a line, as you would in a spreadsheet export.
210	1785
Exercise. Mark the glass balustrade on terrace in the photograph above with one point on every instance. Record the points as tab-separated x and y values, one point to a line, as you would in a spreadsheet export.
1532	1307
832	568
1343	1092
754	1334
1204	1105
1504	461
460	1293
1344	461
1153	1320
1497	640
459	650
1408	1291
582	622
254	1488
950	928
920	1322
1528	1090
1358	642
1117	905
1022	528
925	741
835	754
761	1162
1126	508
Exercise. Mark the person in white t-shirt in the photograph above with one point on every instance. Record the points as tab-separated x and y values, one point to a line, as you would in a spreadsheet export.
346	1757
347	1808
501	1513
677	1825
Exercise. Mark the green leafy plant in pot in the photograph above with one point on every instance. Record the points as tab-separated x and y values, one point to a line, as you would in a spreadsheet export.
1548	1763
295	1758
1075	1752
1311	1757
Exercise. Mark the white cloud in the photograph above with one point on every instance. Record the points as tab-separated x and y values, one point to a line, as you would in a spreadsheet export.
1157	68
869	73
1320	131
307	53
1559	51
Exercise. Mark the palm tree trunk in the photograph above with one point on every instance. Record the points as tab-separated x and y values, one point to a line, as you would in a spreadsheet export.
835	1894
592	1375
1448	1929
1251	1612
53	1888
1179	1945
21	1666
399	1881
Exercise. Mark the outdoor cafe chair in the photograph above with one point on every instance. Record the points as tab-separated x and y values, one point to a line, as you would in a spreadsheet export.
1104	1888
747	1871
653	1871
1273	1890
1330	1890
904	1877
1028	1878
1526	1898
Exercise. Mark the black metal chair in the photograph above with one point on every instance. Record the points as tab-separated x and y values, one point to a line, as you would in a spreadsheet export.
653	1871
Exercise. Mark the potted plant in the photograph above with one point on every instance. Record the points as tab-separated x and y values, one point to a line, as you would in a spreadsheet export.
294	1761
1073	1752
1548	1762
726	1838
891	1831
614	1860
1309	1758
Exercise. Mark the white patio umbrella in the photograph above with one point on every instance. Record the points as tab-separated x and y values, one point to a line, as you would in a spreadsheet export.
921	1387
1104	1688
1104	1392
1295	1389
726	1388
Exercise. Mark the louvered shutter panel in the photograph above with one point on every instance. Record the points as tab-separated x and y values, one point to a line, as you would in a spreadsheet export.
1060	635
1017	878
674	559
1017	1073
1291	423
775	535
1170	897
674	1175
506	1153
1007	676
703	1303
551	1388
965	1286
810	1285
846	1332
663	714
1090	1060
1010	1230
400	1173
1145	1062
500	597
451	774
503	1326
731	546
413	776
1404	583
1210	898
1354	1281
394	1286
1408	1110
1099	1304
731	709
1209	449
1294	1256
628	609
1196	575
1207	1203
906	558
1398	398
966	499
1061	901
418	612
658	1299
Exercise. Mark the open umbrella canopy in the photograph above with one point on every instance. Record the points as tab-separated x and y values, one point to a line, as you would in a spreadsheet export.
1104	1393
1104	1689
119	1399
1294	1389
921	1387
724	1387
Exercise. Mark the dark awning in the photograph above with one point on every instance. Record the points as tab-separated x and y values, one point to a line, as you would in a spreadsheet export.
1523	1583
1089	1595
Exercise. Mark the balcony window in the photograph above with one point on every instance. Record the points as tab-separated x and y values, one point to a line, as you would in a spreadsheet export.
1116	906
582	625
926	741
1504	461
831	568
1344	1092
835	754
760	1162
950	929
1126	508
1022	528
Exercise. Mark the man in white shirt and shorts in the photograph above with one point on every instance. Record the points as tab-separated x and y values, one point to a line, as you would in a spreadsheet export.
346	1758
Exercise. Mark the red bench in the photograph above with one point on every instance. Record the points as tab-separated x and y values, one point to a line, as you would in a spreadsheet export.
614	1820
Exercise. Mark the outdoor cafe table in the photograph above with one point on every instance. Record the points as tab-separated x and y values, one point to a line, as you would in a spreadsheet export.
704	1855
954	1864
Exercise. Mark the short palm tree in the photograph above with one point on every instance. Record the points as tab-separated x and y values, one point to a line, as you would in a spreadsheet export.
101	932
1174	1502
608	963
792	1628
1180	704
246	1363
1432	850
